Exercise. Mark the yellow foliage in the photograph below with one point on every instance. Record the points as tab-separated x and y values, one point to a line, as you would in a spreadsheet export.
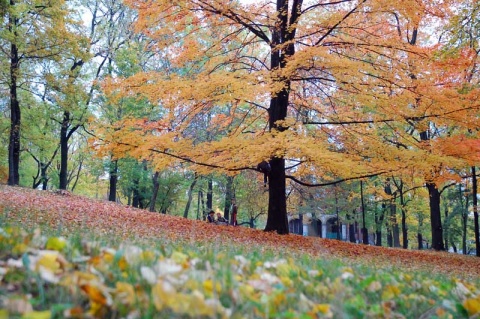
56	243
37	315
472	305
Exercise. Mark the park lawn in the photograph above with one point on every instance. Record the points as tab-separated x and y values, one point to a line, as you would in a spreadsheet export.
65	256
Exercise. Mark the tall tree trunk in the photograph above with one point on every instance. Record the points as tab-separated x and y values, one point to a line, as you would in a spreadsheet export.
44	177
15	118
464	225
446	227
136	193
389	232
210	193
395	228
378	226
404	218
63	181
190	196
435	217
351	232
475	211
156	185
228	197
420	241
112	191
364	227
282	47
277	199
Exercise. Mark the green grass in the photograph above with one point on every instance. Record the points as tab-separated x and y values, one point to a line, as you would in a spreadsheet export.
90	276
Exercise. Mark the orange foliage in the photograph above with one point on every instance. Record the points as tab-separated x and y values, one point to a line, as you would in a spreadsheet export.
368	73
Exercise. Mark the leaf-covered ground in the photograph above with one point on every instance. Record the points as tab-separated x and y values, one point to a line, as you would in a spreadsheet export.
69	213
64	256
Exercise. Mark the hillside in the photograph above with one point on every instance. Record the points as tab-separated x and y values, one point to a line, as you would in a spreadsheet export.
70	212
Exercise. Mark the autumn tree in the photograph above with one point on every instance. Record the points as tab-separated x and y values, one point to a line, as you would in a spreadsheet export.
462	36
314	88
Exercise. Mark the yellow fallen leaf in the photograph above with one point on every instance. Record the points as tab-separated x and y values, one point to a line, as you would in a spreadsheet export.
56	243
210	286
323	309
48	260
3	314
179	257
390	292
94	294
122	263
19	248
148	256
37	315
125	292
472	305
163	295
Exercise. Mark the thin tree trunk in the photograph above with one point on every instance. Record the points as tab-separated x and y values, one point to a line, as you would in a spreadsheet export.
15	114
136	193
112	190
420	241
156	185
228	197
389	232
464	225
446	228
190	196
63	178
351	232
404	220
364	227
395	228
475	211
210	194
378	226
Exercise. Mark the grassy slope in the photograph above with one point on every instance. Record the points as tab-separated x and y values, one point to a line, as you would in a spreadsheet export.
69	212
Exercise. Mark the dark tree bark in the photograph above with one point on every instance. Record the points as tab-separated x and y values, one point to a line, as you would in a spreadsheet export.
229	194
435	217
112	190
464	222
15	114
446	228
401	197
389	235
378	225
351	233
277	208
282	47
210	194
156	185
42	168
135	194
364	227
63	182
475	211
190	196
394	223
420	241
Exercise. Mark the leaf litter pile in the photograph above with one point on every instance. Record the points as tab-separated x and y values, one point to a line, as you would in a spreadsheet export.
56	262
